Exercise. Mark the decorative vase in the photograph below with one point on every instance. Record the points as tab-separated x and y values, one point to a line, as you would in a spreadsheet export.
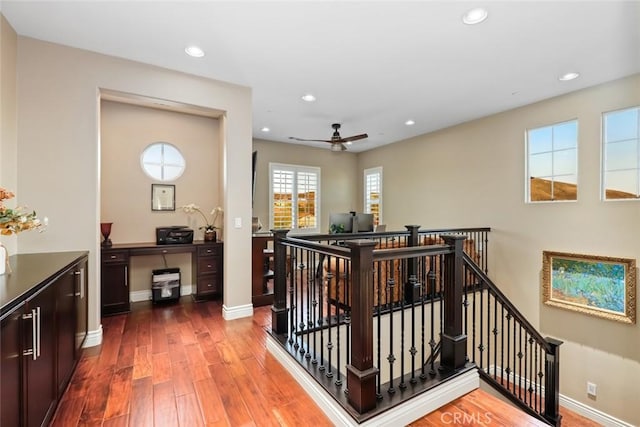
105	229
4	259
210	235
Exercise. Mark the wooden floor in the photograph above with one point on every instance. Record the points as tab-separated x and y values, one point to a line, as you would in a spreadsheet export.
183	365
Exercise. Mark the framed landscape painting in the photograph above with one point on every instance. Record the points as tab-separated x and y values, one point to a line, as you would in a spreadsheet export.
597	285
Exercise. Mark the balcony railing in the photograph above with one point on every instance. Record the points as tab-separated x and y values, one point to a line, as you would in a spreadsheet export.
378	318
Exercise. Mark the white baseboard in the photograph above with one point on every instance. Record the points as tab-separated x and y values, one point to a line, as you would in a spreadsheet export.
94	338
237	312
402	414
147	295
573	405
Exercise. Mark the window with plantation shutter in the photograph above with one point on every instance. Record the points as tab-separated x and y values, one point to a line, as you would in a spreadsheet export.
294	194
373	193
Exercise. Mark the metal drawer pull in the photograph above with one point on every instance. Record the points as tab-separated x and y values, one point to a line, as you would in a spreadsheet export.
209	265
114	256
39	322
32	351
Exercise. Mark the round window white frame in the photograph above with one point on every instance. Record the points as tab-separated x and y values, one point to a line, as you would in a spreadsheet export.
162	164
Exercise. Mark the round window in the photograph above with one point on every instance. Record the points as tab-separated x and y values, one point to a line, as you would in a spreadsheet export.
162	161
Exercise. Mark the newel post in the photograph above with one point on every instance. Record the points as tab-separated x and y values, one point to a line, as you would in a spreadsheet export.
454	342
361	375
279	307
552	382
412	287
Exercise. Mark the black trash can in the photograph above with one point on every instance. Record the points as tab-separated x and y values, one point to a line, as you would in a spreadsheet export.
165	284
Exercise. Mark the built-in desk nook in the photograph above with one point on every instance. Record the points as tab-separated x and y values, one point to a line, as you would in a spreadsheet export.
206	267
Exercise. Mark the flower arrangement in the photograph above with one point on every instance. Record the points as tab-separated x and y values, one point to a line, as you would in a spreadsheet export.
209	226
13	221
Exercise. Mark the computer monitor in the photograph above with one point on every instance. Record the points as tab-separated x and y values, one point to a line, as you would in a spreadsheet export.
340	223
363	222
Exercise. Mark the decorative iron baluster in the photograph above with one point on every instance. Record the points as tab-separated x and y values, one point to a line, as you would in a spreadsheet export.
390	358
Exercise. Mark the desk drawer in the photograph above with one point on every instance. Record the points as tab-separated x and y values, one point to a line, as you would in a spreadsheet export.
208	250
208	284
209	264
115	257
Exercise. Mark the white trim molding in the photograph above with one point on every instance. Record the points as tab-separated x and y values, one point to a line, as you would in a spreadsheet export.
402	414
94	338
147	295
572	404
237	312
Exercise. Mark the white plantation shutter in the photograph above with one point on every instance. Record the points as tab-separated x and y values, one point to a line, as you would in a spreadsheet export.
373	193
294	195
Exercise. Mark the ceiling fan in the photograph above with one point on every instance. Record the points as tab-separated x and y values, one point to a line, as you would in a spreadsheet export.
337	142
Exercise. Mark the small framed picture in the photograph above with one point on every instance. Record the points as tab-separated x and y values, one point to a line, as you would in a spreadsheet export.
163	197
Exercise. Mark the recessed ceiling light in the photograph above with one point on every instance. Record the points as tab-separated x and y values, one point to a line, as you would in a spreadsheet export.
475	16
409	122
308	97
194	51
265	129
568	76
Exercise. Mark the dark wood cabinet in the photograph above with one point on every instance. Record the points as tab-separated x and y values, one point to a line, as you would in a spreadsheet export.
39	350
114	282
11	367
40	347
207	265
261	269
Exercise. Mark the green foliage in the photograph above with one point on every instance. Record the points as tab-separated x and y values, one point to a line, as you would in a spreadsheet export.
596	284
336	228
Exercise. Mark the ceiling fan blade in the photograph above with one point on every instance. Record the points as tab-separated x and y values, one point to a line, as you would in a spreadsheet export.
308	140
354	138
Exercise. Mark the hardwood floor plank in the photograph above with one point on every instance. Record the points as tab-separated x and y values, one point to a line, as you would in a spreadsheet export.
233	401
161	368
122	421
189	411
68	412
119	393
220	372
159	343
211	405
181	377
165	410
96	397
141	414
197	363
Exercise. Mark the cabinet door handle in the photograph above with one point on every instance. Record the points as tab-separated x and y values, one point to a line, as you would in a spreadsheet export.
126	276
31	352
39	322
113	257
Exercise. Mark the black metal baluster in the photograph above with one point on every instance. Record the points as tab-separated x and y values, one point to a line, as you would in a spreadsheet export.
379	280
502	347
432	290
508	369
495	336
520	362
390	358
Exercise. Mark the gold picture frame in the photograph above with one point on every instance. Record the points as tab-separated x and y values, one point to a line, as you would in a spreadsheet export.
597	285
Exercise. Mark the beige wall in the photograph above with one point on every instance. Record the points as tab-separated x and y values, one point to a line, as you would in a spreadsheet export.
58	152
8	120
339	177
125	190
473	175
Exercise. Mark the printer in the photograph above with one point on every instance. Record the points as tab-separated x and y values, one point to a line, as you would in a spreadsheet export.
174	235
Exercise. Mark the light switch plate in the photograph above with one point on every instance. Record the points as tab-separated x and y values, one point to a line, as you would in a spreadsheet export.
238	222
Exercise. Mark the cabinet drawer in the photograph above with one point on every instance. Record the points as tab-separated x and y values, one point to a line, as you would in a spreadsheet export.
115	256
208	265
208	250
207	284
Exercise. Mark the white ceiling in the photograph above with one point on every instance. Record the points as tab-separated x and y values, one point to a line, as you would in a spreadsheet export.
371	64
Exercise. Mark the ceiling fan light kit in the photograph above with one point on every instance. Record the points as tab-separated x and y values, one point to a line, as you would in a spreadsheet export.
337	142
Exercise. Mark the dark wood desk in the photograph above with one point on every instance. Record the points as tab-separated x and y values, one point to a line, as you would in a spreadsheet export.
206	267
260	294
